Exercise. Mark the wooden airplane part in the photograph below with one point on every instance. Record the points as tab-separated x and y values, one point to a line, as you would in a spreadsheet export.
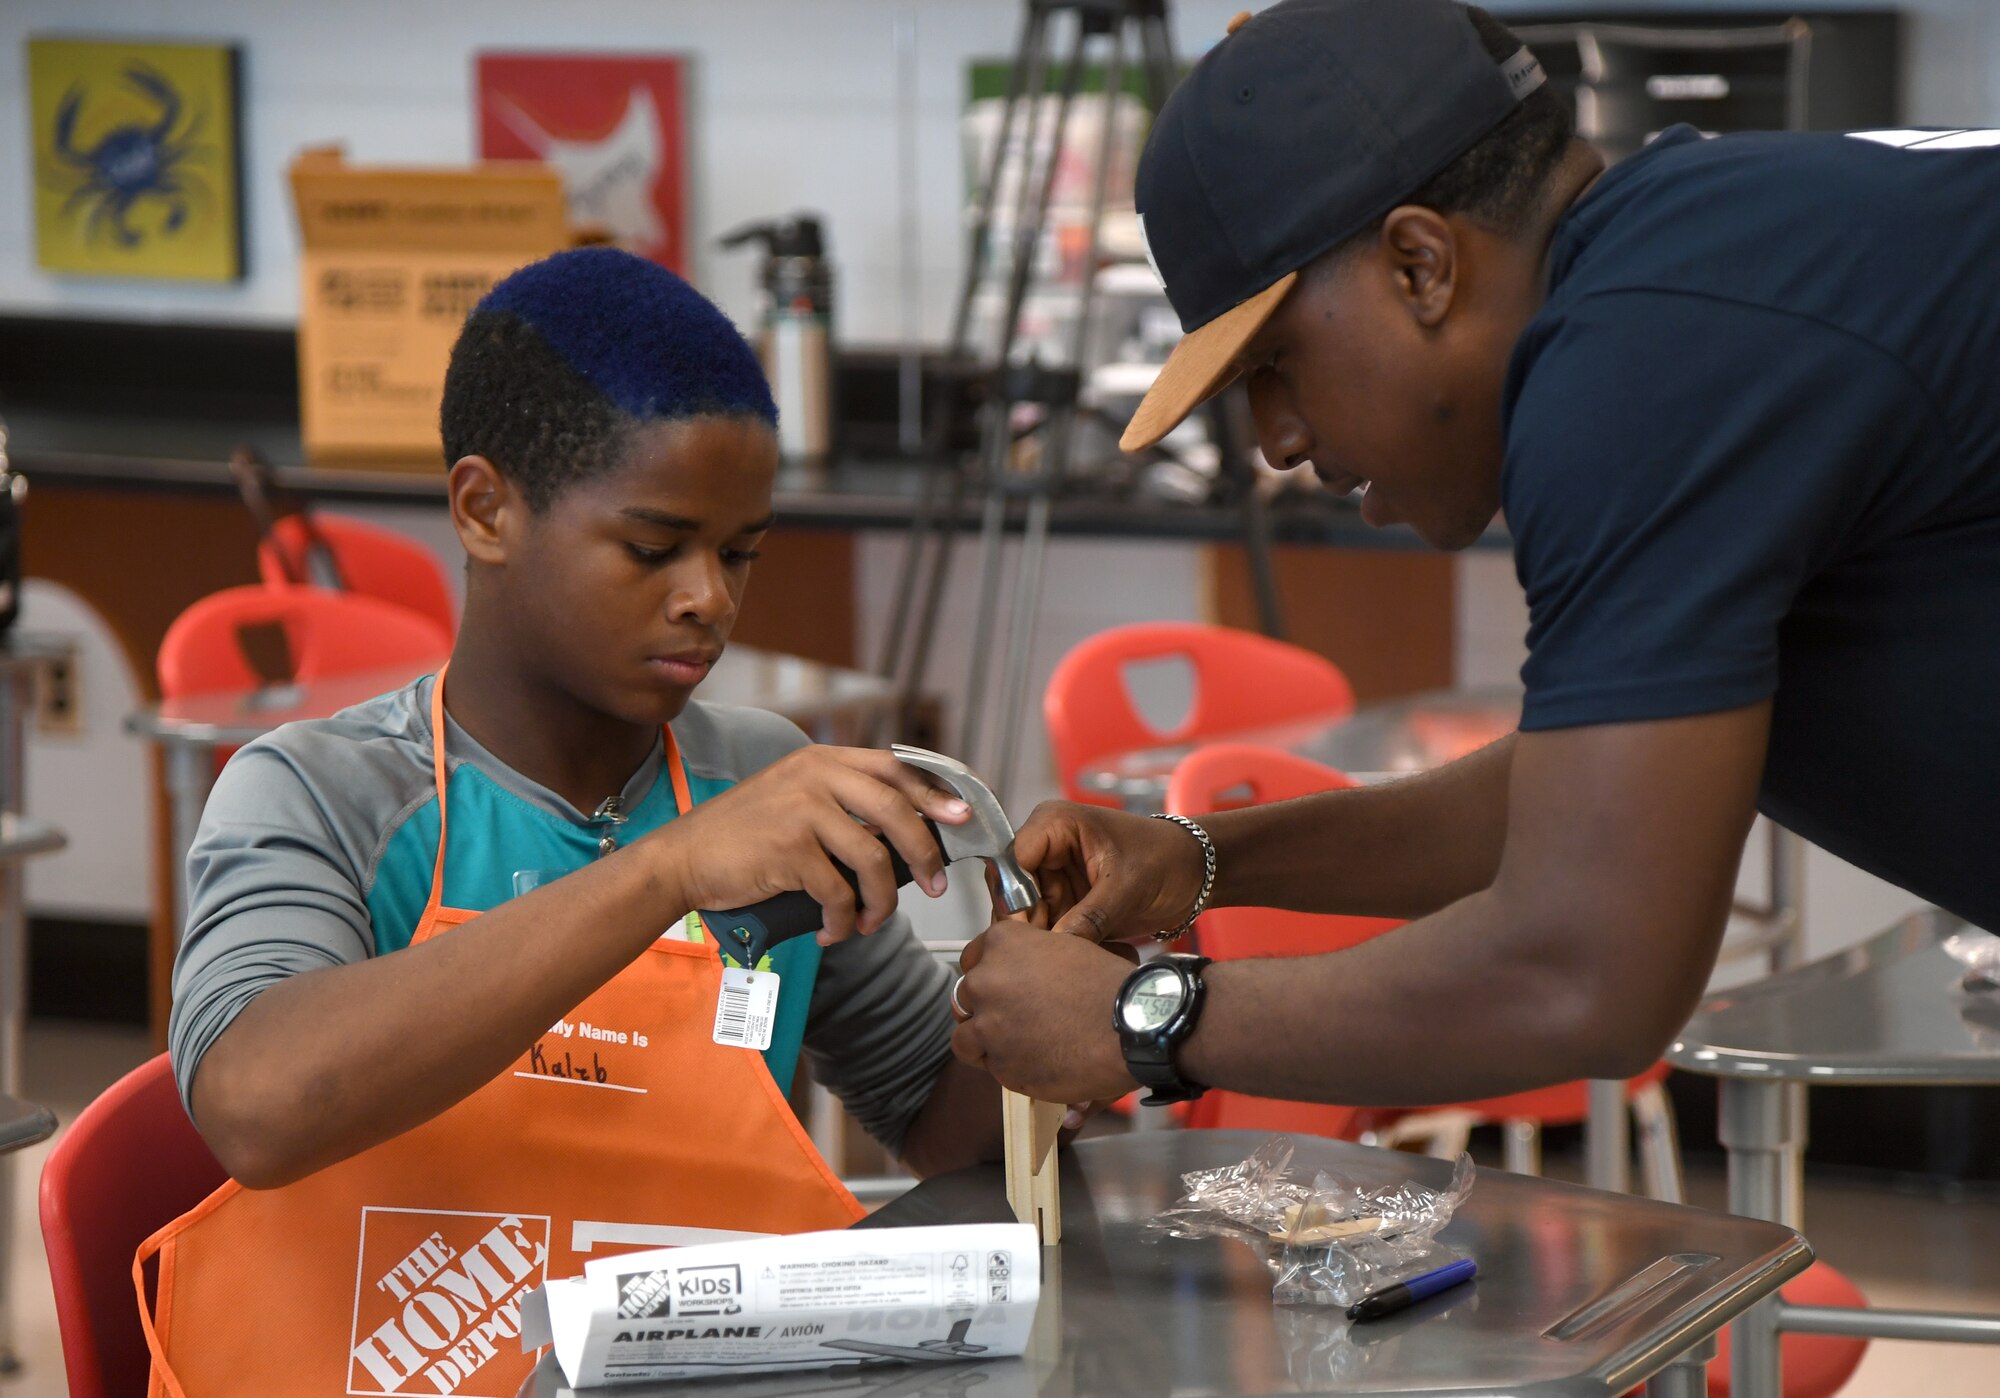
1308	1226
1044	1354
1032	1191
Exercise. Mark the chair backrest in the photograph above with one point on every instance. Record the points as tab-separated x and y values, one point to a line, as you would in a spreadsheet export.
375	562
1225	776
1241	681
326	633
130	1163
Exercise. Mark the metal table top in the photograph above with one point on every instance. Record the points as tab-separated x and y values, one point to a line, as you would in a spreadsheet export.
1579	1292
25	652
235	716
23	1124
23	837
804	691
1375	743
1883	1012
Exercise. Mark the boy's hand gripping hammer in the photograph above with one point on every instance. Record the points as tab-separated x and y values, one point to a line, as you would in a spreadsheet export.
748	933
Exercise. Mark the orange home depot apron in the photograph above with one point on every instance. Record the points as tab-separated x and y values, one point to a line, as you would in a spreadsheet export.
402	1269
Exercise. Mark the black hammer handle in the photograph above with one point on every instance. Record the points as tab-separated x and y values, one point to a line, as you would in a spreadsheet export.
748	933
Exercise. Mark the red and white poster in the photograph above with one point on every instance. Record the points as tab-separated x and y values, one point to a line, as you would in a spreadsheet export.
611	124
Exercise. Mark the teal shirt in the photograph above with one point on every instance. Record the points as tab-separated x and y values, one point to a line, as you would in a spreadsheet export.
495	834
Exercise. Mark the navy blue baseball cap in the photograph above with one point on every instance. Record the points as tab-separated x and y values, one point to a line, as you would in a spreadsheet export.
1312	119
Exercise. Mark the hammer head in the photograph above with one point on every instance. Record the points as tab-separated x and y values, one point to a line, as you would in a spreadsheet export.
989	834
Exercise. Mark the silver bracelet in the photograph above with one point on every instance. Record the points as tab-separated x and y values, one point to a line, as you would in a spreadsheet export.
1207	875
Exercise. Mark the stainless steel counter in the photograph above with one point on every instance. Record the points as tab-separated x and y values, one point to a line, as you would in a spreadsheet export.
1377	742
23	1124
1881	1012
101	451
23	837
826	700
1579	1292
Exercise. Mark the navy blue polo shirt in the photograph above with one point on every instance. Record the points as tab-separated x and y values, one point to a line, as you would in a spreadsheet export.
1753	452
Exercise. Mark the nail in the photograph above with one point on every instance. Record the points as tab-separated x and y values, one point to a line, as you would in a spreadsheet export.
825	939
936	884
956	807
1072	1119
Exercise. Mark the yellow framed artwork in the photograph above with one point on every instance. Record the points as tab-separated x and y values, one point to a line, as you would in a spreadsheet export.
137	163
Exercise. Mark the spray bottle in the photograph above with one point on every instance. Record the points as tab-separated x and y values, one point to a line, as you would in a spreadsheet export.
795	340
13	490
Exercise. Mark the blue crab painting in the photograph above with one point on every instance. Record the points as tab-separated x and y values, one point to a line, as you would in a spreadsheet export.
132	165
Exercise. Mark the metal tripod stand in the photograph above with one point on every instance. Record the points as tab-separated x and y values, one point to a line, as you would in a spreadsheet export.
1011	468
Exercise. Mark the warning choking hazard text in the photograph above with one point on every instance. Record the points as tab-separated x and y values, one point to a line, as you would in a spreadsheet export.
438	1295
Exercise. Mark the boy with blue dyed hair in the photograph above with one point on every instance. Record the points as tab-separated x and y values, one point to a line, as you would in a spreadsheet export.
612	454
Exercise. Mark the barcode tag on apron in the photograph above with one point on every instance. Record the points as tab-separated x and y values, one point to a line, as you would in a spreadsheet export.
747	1010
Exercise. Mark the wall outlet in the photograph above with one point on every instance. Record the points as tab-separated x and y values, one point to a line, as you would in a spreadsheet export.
59	698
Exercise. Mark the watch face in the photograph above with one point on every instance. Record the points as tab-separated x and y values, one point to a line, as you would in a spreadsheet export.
1154	999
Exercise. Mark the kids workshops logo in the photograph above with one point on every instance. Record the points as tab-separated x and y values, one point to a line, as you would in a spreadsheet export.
438	1295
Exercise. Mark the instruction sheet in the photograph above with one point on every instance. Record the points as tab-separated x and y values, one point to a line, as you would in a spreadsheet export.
808	1301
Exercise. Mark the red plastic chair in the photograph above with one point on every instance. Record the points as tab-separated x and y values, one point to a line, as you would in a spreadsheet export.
1241	681
373	561
130	1163
1812	1366
327	633
1223	776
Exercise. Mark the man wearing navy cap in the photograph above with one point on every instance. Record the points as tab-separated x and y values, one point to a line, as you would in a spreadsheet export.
1740	401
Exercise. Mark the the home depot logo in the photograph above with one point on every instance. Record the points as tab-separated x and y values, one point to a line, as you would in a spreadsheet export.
646	1295
438	1295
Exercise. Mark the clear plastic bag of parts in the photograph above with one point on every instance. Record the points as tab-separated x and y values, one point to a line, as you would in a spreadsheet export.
1329	1241
1978	952
1977	989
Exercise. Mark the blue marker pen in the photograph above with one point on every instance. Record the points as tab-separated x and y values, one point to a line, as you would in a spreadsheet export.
1403	1295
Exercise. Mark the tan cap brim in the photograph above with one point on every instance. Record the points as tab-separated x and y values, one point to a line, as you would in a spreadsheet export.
1201	364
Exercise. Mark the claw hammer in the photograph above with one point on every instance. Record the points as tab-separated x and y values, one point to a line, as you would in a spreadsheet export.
748	933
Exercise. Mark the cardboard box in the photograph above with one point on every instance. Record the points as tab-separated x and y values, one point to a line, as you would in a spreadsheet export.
391	261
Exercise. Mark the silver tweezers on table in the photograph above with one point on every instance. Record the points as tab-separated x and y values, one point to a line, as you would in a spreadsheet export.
1883	1013
1579	1292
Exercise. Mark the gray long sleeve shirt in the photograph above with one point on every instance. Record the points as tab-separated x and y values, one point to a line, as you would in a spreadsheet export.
318	845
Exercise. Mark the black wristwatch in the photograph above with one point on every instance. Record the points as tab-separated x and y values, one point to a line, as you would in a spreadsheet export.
1155	1012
